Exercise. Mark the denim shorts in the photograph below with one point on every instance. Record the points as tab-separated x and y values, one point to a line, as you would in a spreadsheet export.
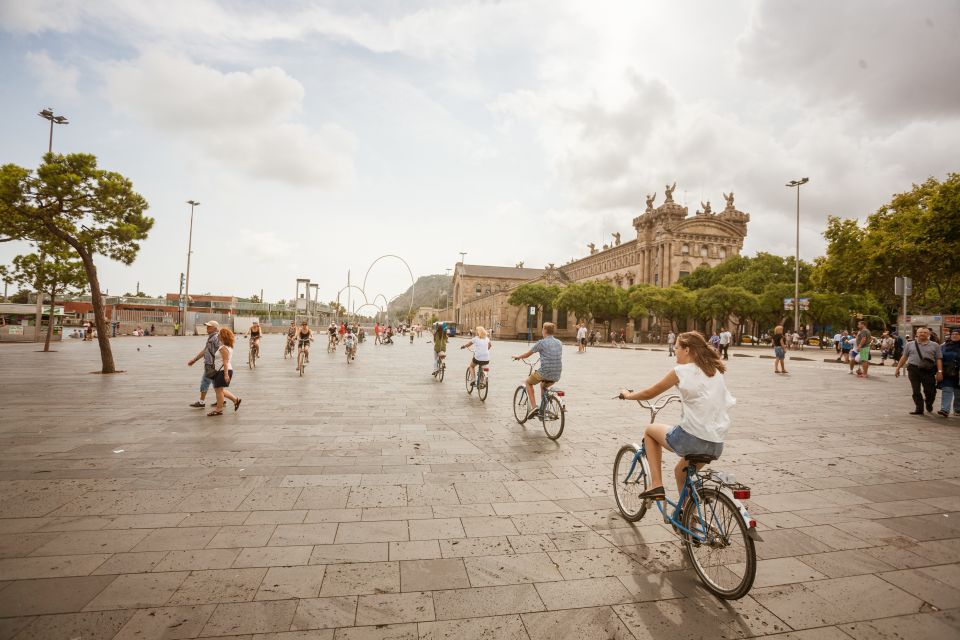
779	353
683	444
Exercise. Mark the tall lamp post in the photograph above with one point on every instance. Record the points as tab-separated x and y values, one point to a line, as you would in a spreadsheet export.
796	264
46	114
186	294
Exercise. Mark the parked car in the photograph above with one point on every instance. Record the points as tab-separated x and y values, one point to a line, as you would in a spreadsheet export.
748	339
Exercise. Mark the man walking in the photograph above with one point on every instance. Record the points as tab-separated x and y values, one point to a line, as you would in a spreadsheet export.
671	341
863	347
924	369
725	339
208	353
581	338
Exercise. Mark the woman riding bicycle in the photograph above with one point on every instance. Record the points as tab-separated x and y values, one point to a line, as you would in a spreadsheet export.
255	333
481	350
439	345
704	420
302	337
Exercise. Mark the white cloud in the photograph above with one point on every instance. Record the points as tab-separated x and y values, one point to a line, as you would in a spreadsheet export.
37	16
57	79
242	119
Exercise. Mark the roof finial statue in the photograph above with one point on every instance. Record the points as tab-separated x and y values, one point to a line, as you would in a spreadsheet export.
520	265
650	199
669	191
616	239
593	248
729	199
707	210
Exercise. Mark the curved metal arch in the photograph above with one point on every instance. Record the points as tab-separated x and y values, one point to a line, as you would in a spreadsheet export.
380	295
413	284
367	304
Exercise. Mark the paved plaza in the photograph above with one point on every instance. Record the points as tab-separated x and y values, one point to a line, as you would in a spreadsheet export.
369	501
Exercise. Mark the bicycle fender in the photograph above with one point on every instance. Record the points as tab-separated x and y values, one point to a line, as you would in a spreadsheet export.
745	515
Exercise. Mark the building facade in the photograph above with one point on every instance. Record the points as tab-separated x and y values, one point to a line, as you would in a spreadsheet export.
668	244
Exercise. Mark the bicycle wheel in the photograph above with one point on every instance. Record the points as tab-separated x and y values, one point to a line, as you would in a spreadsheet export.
629	483
251	358
553	417
483	387
726	559
469	379
443	368
520	405
301	357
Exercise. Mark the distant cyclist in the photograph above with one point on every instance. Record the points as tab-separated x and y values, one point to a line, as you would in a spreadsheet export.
481	350
302	337
332	333
291	332
439	346
350	343
255	333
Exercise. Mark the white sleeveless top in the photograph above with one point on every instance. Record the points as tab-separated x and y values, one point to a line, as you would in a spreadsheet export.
218	358
705	403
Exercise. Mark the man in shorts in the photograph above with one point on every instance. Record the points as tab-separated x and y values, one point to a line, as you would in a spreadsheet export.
581	338
864	340
551	352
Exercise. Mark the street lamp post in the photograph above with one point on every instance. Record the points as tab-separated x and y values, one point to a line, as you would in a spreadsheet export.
186	295
46	114
796	265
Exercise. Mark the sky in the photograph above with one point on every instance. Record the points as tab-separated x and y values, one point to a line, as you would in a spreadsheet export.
318	136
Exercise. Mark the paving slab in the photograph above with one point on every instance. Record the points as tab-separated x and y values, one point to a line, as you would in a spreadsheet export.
370	501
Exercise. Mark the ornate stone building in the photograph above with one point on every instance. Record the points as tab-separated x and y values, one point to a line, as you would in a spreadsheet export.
669	244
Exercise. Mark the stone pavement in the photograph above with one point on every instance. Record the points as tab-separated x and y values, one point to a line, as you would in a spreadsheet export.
368	501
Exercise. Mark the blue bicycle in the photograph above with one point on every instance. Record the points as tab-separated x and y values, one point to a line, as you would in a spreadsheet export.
708	517
552	410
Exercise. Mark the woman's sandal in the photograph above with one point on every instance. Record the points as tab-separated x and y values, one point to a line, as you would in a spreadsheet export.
236	405
215	413
657	493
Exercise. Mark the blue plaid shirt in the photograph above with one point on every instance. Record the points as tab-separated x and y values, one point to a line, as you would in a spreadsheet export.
550	350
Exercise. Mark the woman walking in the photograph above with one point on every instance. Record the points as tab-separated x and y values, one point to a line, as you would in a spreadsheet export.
779	350
224	366
950	385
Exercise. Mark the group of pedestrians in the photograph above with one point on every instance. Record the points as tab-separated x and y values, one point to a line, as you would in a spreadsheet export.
930	365
217	356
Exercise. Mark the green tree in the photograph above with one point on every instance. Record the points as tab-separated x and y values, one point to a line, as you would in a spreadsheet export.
338	309
69	199
606	300
641	300
574	298
673	303
828	308
534	294
915	235
53	270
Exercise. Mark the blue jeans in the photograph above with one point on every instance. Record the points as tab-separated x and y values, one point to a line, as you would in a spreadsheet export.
205	383
948	396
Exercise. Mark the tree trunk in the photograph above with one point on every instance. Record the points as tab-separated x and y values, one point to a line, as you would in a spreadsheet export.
103	338
53	300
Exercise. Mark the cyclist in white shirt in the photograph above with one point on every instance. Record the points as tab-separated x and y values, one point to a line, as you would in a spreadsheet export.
350	343
705	401
481	350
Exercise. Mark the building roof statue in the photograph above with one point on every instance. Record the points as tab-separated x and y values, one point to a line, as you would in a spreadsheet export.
650	199
729	199
616	239
593	248
669	191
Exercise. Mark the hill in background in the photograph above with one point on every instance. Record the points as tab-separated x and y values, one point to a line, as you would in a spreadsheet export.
426	291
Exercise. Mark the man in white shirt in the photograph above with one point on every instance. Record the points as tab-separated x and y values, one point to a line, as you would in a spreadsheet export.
725	339
671	341
581	338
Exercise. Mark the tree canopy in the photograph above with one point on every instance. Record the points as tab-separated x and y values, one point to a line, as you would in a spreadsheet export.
69	199
915	234
534	294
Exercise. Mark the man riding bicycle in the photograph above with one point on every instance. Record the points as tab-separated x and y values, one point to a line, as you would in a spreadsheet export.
302	337
551	352
332	333
291	332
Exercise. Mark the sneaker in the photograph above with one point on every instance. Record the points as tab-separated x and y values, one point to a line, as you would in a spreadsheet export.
533	413
943	413
657	493
198	405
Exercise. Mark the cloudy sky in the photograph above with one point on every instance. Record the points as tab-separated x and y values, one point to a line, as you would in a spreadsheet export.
320	135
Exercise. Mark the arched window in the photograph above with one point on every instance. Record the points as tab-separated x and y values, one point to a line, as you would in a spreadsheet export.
723	252
478	289
704	251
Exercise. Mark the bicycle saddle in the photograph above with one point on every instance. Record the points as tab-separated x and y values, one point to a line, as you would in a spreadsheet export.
699	458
